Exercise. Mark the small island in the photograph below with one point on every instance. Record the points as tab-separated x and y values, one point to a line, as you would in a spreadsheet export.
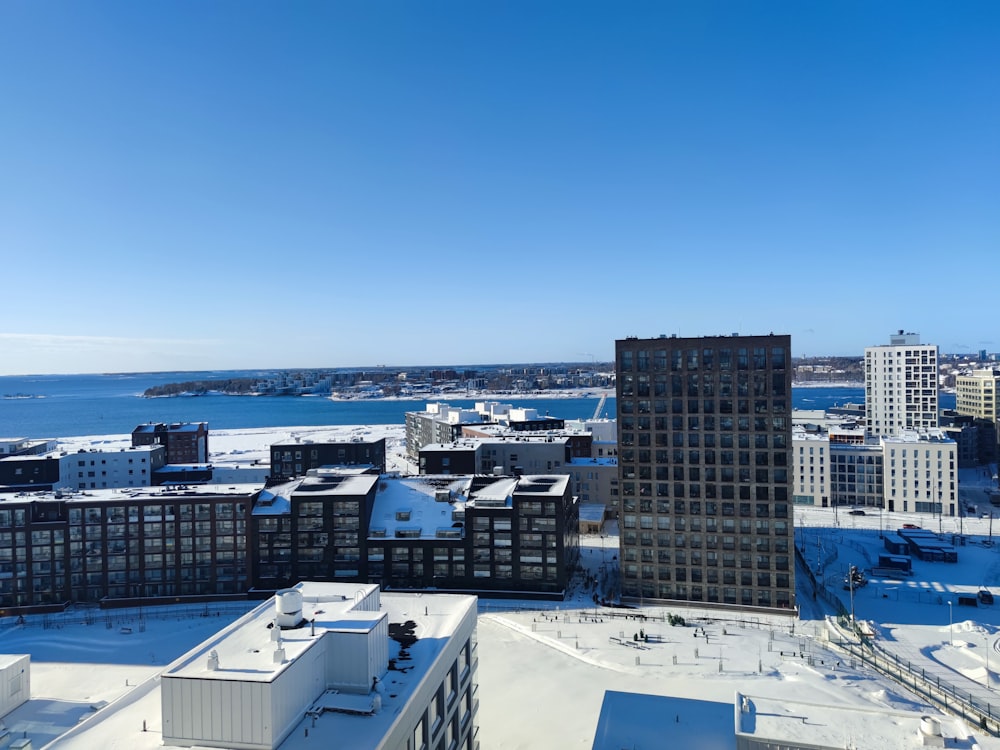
229	387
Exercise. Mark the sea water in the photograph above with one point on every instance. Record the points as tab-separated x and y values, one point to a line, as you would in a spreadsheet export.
45	406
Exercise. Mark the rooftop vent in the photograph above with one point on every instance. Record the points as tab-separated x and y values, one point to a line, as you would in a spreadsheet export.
288	606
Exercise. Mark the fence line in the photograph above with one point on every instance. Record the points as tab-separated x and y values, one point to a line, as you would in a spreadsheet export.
962	703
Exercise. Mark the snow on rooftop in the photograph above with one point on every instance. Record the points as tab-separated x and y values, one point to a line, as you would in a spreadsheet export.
592	511
603	461
245	649
639	720
409	505
798	723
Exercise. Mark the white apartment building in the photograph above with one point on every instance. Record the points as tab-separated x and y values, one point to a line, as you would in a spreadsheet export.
976	394
93	468
901	385
911	472
921	473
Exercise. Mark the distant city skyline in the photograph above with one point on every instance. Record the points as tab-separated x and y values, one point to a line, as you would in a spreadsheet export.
242	185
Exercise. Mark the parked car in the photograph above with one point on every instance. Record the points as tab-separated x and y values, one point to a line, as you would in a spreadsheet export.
985	597
855	512
910	526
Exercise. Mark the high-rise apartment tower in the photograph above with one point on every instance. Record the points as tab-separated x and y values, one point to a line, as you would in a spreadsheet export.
704	433
901	385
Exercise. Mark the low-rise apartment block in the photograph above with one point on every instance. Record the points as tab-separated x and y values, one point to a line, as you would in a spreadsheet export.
186	442
460	533
909	472
291	460
57	548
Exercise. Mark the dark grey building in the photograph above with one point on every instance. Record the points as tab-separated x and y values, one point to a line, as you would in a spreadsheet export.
704	433
493	535
186	442
142	544
290	460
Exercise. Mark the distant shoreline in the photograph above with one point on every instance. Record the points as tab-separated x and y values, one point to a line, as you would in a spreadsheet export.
567	393
817	384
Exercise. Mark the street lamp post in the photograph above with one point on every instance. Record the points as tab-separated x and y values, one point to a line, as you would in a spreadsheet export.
951	632
988	647
850	583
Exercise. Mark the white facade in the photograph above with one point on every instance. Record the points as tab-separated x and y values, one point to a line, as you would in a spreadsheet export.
921	473
594	480
911	472
811	468
15	681
322	657
104	469
901	385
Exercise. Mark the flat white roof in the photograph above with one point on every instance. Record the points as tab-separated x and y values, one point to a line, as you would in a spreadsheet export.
192	493
826	725
9	660
603	461
277	500
246	649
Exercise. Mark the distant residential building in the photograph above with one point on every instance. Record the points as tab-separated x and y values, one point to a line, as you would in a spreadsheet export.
25	447
594	480
96	468
173	475
329	662
441	423
290	460
921	473
576	444
529	420
976	394
458	457
601	430
478	533
704	436
312	528
901	385
438	423
62	467
487	534
975	438
186	442
910	472
29	472
104	544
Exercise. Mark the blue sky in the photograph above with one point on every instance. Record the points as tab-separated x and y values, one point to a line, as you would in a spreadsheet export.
199	185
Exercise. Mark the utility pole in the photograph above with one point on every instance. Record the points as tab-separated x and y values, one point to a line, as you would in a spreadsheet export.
850	581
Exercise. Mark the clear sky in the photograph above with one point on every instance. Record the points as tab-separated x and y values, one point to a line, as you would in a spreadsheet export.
201	185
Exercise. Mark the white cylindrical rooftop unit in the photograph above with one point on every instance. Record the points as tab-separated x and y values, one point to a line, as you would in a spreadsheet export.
930	726
288	604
